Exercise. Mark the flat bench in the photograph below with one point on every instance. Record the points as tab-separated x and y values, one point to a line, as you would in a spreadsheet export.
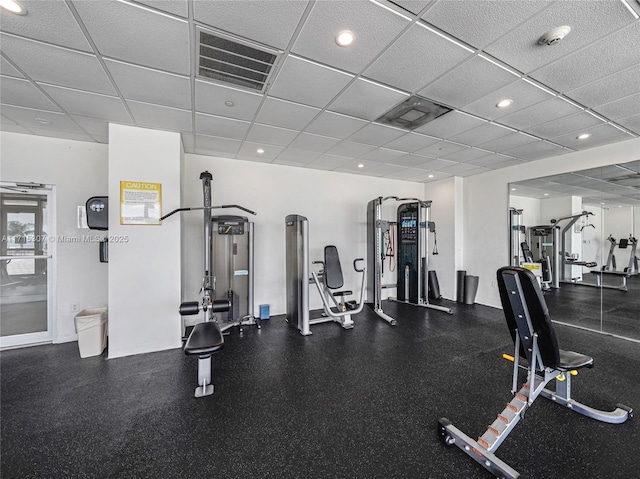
622	274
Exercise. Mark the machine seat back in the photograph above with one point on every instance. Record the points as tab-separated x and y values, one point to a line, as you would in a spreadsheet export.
332	270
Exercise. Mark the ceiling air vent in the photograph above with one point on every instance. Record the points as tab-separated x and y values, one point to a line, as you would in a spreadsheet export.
231	62
415	111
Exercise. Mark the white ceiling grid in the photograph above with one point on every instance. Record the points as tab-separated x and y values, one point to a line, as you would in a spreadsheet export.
68	68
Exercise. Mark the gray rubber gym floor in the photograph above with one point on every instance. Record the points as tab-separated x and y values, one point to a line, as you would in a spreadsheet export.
338	404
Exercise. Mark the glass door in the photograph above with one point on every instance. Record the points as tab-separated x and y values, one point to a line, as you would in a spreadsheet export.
26	262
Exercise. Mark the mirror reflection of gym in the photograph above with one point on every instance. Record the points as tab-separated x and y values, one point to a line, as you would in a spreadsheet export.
594	283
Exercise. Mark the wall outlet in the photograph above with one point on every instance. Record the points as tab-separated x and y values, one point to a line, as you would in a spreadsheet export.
75	307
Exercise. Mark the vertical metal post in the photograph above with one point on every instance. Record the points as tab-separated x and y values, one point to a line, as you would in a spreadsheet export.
207	285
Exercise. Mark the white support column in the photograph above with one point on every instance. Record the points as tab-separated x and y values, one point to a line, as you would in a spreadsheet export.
144	268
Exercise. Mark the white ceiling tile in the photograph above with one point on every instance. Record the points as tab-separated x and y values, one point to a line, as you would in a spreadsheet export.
249	149
481	134
539	113
624	107
598	133
49	21
618	52
368	169
450	124
285	114
589	20
481	22
43	63
9	125
474	171
411	142
335	125
608	89
83	103
373	27
137	35
367	100
308	141
96	127
151	86
536	151
508	162
161	117
65	135
272	23
467	83
436	164
328	162
413	6
350	149
457	168
631	122
489	160
7	69
440	149
410	174
418	57
508	142
216	146
409	160
219	126
188	142
383	155
15	91
376	134
271	135
522	93
310	83
26	117
466	155
211	98
177	7
566	124
256	159
300	157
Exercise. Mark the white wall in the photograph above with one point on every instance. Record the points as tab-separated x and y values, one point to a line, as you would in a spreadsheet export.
334	203
144	270
486	202
78	170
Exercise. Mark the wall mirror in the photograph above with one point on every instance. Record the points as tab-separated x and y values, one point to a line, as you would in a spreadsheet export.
583	228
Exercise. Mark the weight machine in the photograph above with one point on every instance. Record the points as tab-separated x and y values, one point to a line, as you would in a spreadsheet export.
412	255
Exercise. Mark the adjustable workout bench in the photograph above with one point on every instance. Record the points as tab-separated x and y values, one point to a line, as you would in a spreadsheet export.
532	331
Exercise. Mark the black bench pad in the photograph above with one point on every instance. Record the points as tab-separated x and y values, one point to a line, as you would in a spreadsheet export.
572	360
342	293
206	338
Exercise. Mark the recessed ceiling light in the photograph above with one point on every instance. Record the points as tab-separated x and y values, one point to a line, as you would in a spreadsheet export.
44	121
260	151
546	194
229	103
583	136
13	6
344	38
602	203
513	189
504	103
430	176
360	165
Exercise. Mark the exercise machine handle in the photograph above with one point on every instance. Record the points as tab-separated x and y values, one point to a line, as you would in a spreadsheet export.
355	265
177	210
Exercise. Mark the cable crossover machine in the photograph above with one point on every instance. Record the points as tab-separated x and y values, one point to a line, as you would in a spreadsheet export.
411	258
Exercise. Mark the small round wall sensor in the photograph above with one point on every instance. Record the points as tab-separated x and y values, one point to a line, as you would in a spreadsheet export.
554	36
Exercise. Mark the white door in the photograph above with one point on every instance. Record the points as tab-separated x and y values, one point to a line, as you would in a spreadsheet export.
27	247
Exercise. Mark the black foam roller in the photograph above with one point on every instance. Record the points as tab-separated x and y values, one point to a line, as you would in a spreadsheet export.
220	305
460	286
434	286
188	308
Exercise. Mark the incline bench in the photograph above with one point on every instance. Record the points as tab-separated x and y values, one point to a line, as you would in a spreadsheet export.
535	341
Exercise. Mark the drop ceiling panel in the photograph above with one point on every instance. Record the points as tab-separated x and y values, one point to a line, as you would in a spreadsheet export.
211	98
508	142
378	169
608	89
328	162
481	134
589	20
488	161
409	160
216	146
376	134
440	149
539	113
374	27
467	155
15	91
619	52
160	117
26	117
249	149
12	126
49	21
350	149
65	135
367	100
418	57
598	133
271	23
383	155
335	125
271	135
622	108
300	157
411	142
522	93
436	164
117	29
309	83
467	83
631	122
77	102
536	151
42	63
7	69
567	124
176	7
219	126
151	86
413	6
285	114
412	174
450	124
481	22
96	127
308	141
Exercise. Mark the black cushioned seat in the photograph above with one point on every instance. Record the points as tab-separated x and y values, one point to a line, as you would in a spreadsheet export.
206	338
571	360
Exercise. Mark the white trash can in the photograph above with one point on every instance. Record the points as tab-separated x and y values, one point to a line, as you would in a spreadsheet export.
91	326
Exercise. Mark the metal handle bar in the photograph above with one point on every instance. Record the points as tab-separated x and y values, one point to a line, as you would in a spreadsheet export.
207	208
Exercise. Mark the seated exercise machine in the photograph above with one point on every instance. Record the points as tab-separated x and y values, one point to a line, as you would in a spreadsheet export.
535	341
610	270
327	280
206	337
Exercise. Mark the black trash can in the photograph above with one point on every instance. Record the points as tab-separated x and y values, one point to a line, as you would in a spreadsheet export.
470	289
460	286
